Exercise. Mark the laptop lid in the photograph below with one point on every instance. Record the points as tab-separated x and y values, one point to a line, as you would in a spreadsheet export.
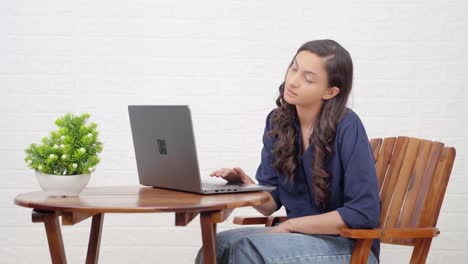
165	146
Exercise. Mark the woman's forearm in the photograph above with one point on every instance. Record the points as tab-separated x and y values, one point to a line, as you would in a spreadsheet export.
267	208
327	223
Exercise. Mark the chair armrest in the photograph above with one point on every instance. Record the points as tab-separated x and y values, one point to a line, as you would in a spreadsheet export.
263	220
421	232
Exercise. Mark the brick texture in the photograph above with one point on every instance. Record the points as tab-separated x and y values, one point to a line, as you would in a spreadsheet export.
226	60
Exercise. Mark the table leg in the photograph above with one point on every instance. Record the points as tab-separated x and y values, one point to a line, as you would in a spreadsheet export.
95	239
208	227
54	234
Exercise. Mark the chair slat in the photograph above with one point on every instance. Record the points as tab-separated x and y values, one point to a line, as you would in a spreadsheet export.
430	211
415	184
404	211
391	176
376	143
423	194
383	159
401	186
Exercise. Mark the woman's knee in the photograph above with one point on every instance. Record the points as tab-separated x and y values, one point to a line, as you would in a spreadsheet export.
225	239
244	251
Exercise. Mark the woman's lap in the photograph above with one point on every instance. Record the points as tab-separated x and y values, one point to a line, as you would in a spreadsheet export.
254	245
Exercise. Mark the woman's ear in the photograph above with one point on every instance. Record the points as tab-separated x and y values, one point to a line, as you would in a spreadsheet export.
331	92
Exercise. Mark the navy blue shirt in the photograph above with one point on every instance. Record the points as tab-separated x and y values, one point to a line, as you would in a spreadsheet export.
353	180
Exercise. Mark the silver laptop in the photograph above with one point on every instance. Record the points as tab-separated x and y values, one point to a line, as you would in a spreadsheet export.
166	154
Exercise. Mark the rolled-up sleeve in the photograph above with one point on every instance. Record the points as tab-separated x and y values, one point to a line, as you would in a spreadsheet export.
266	173
362	204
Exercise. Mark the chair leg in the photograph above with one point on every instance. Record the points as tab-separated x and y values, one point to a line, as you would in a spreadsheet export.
361	251
95	239
420	250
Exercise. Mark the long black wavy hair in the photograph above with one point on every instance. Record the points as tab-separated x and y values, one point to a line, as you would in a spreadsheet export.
339	68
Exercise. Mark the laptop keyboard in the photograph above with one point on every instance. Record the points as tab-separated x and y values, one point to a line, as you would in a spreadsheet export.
220	187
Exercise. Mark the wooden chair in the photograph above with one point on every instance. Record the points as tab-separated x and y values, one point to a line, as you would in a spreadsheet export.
413	176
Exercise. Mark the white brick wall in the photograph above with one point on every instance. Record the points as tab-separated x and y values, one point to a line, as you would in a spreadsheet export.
226	60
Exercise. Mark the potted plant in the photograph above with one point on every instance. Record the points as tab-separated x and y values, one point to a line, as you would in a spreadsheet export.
64	161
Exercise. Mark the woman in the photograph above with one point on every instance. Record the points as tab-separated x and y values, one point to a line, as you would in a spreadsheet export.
316	152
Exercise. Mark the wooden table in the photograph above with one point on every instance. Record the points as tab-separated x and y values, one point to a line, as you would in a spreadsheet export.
95	201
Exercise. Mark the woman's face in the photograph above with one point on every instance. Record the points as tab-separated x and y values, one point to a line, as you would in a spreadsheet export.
306	81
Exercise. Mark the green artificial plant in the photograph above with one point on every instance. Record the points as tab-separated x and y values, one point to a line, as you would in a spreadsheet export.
72	149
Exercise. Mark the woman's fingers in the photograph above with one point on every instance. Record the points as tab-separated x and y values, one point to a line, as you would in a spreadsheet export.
239	171
217	173
223	172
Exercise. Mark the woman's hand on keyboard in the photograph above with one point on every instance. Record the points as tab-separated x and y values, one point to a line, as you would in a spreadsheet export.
234	175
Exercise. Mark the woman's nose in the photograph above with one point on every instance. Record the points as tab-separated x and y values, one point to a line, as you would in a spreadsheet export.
293	81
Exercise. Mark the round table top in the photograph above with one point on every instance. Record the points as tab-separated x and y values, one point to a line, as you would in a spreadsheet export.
139	199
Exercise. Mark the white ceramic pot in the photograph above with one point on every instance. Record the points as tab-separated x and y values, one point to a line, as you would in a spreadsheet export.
62	185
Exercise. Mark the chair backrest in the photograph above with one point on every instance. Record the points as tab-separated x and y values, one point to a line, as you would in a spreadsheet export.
413	175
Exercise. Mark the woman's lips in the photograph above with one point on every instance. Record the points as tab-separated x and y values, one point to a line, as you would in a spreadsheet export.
290	92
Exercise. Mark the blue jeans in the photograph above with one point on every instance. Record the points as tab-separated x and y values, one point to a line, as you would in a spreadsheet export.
254	245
